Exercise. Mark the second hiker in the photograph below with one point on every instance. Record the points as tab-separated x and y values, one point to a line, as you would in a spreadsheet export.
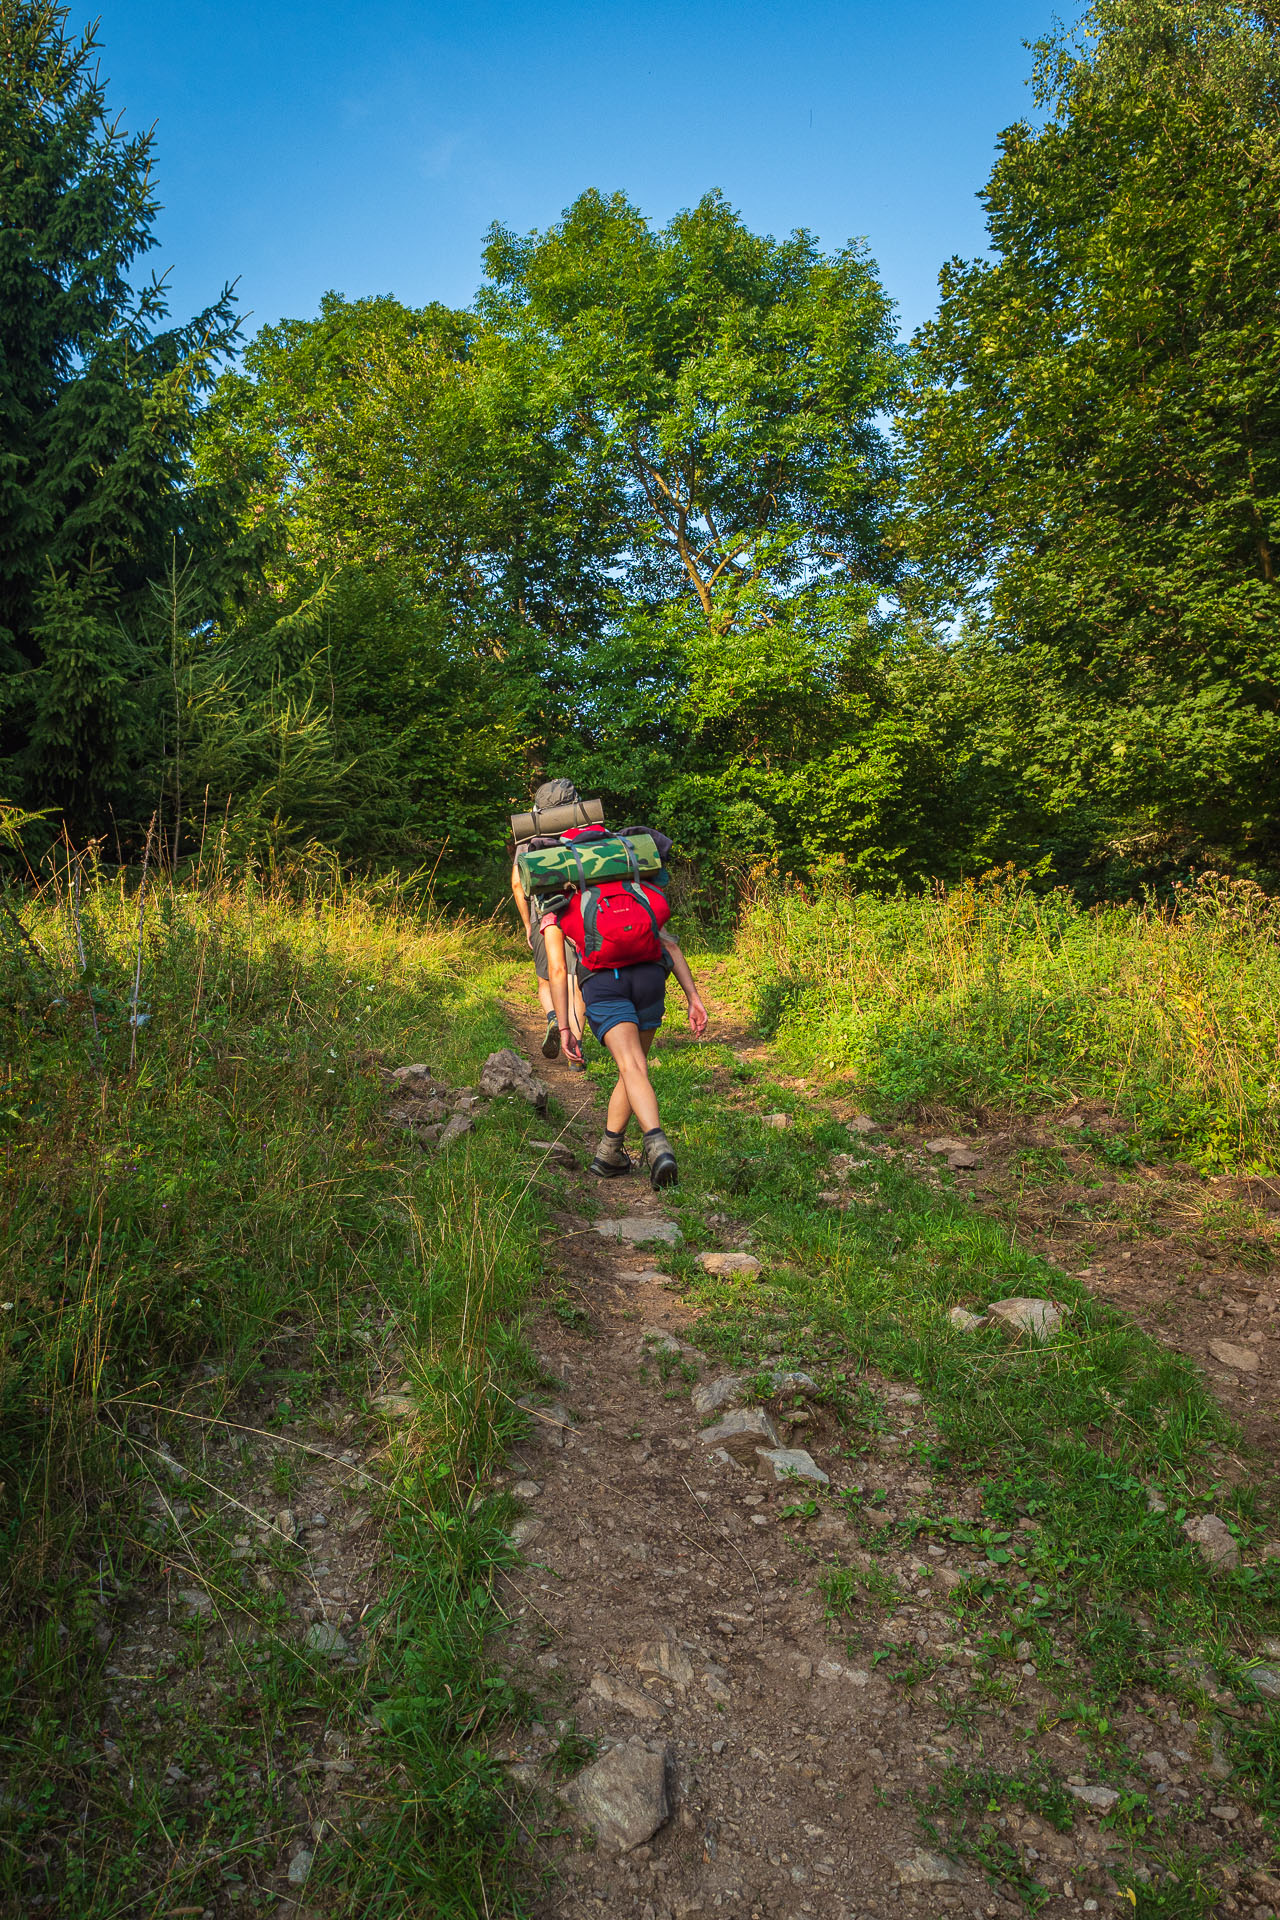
614	930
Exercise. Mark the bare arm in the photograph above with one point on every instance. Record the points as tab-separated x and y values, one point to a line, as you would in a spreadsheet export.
558	981
698	1015
521	899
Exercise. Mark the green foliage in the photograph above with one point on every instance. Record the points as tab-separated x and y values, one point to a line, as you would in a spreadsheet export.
97	409
1092	444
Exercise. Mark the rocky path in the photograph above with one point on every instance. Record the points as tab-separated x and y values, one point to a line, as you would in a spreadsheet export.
738	1757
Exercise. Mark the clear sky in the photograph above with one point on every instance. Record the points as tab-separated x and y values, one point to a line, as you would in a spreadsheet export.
367	147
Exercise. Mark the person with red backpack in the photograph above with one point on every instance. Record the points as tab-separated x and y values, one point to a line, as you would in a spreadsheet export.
617	931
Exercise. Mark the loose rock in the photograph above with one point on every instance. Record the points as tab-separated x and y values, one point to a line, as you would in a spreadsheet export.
505	1072
721	1392
1101	1798
1039	1318
1267	1681
1243	1359
793	1463
728	1387
622	1796
639	1227
393	1406
945	1144
557	1150
326	1641
753	1421
965	1322
630	1699
300	1867
920	1868
1215	1540
667	1657
963	1159
861	1123
195	1601
460	1123
779	1121
722	1263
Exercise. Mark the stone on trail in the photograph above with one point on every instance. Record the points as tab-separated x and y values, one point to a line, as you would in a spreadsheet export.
793	1463
1039	1318
550	1423
964	1321
861	1123
1267	1681
1215	1540
946	1144
300	1867
630	1699
667	1657
752	1421
394	1406
721	1392
728	1387
326	1641
526	1531
505	1072
461	1123
195	1601
640	1227
1101	1799
718	1264
658	1340
1243	1359
418	1077
557	1150
622	1796
779	1121
920	1868
963	1160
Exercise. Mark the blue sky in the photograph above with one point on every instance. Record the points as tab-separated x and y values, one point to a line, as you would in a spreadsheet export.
367	147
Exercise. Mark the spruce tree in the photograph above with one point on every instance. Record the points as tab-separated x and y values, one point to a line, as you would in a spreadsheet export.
98	403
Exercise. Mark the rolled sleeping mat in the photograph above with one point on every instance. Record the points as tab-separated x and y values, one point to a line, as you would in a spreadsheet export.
576	864
547	820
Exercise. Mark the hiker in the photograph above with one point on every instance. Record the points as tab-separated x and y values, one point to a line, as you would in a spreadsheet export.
552	793
625	1005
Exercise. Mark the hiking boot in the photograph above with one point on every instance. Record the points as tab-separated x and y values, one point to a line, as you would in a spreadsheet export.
611	1158
551	1039
660	1159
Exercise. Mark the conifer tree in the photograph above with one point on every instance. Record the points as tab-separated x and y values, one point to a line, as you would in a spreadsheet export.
98	402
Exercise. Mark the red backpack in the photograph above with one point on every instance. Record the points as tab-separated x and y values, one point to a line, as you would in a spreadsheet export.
616	924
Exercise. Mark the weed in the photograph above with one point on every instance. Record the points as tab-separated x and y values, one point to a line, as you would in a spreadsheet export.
573	1751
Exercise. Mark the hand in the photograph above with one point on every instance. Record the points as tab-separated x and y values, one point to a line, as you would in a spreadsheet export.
571	1043
528	936
698	1017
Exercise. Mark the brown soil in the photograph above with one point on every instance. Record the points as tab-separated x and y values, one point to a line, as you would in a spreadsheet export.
792	1758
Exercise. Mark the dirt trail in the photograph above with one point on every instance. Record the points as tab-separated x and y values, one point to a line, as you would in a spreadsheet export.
667	1608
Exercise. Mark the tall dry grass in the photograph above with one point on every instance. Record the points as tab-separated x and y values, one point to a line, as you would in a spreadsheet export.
197	1192
991	995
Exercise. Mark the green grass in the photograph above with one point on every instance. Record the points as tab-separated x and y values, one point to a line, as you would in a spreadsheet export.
993	997
225	1230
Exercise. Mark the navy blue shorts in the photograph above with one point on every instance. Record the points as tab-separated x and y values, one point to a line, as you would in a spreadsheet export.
625	996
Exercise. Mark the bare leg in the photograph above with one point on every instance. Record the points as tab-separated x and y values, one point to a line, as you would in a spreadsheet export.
633	1093
547	1004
